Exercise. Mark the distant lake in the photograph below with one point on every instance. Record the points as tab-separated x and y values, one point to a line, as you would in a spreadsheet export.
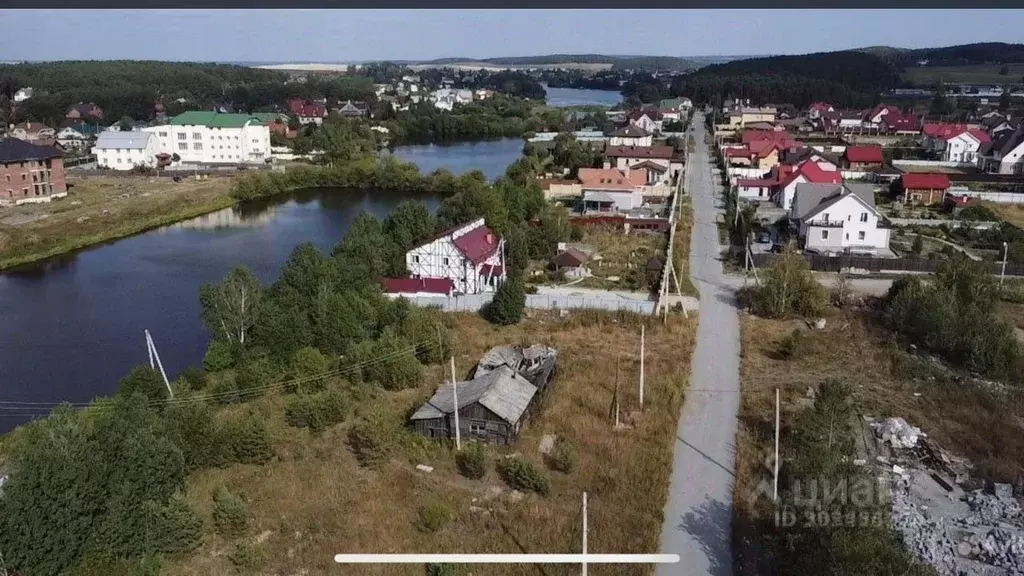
490	156
566	97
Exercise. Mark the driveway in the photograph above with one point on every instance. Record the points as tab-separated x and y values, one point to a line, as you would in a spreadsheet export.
697	518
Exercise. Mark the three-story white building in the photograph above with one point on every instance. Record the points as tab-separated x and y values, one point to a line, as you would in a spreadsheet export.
470	255
214	138
833	218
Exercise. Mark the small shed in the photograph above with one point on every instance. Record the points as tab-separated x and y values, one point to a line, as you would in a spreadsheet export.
493	408
571	262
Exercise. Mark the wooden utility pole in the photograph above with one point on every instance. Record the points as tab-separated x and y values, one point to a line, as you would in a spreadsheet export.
616	393
455	399
642	330
584	533
775	489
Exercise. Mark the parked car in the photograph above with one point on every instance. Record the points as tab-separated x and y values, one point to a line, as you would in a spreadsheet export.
764	238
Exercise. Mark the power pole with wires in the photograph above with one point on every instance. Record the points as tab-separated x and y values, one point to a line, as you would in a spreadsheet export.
642	330
154	355
455	400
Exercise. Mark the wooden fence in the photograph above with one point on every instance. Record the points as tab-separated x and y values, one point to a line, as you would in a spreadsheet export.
822	263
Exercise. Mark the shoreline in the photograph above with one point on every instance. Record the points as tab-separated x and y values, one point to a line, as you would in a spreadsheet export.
117	233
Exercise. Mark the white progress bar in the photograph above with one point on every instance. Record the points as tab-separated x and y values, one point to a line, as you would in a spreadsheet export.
507	558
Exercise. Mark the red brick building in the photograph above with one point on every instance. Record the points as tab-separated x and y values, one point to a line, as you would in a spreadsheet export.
863	158
30	173
924	187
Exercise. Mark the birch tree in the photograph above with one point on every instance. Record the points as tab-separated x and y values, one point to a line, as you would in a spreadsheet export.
230	309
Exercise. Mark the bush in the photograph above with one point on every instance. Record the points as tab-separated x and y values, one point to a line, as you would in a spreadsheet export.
509	302
175	528
315	411
230	513
792	345
143	380
247	555
195	377
374	439
251	376
434	516
472	462
522	475
400	369
440	570
218	357
563	457
787	287
250	441
308	363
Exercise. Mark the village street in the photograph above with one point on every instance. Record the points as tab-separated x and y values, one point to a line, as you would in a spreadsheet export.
698	513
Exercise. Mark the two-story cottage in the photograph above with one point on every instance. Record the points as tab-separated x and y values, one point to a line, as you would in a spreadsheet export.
630	135
307	112
471	256
649	120
611	189
838	218
1004	154
126	150
30	173
628	157
34	133
789	177
83	111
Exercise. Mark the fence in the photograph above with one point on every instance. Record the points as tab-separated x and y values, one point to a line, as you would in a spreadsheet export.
476	302
999	197
821	263
951	223
937	163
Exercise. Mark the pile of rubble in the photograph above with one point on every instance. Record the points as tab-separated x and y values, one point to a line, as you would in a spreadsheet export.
945	520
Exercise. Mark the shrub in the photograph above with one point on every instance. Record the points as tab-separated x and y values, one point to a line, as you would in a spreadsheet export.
195	377
251	375
230	513
399	371
522	475
374	439
218	357
315	411
440	570
472	462
308	363
434	516
563	457
787	288
509	302
175	528
143	380
792	345
247	555
250	441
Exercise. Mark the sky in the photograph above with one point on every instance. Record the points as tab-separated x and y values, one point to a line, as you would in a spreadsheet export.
361	35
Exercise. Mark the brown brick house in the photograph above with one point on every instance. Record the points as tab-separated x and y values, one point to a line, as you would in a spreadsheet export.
30	173
924	187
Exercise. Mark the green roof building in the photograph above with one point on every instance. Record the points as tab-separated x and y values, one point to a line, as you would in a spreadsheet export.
214	119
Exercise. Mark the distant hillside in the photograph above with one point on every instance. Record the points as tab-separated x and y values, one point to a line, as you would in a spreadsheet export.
847	78
966	54
670	63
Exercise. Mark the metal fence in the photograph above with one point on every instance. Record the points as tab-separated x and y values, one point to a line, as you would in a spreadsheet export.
822	263
476	302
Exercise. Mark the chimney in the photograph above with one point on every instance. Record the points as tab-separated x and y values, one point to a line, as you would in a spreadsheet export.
490	238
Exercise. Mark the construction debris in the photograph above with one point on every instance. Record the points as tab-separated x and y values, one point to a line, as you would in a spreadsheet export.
956	528
424	468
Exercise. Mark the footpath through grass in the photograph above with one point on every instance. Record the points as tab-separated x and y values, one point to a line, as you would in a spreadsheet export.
102	208
314	500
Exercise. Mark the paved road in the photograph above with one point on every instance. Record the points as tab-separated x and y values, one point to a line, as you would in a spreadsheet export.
698	514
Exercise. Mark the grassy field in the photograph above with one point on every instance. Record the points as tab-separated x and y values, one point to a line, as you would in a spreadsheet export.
314	500
102	208
886	381
623	258
1012	213
681	250
977	73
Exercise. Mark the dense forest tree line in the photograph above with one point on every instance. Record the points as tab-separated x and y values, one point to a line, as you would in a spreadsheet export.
960	55
846	79
562	78
131	88
496	117
653	63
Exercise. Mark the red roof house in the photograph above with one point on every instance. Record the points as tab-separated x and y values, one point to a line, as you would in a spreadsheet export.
903	124
307	112
863	157
806	171
924	187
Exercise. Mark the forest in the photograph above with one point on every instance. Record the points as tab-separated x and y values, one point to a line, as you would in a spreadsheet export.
847	79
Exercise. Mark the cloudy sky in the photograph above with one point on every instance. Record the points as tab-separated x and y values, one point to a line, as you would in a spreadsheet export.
355	35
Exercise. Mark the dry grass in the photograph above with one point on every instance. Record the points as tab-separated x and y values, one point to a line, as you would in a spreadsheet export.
681	250
961	416
619	252
314	501
133	204
1012	213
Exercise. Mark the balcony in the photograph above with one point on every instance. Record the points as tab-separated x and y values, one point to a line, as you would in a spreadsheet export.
826	223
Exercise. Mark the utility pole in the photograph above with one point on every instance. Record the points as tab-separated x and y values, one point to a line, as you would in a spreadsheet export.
153	354
455	399
616	393
584	533
642	330
1002	273
775	489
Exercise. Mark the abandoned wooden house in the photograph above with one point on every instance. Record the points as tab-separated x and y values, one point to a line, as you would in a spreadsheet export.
493	408
535	363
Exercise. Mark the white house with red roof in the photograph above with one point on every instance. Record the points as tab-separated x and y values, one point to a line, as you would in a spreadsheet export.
806	172
470	256
611	189
816	110
957	142
307	112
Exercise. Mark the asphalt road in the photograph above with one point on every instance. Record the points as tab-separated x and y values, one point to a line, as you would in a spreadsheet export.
697	518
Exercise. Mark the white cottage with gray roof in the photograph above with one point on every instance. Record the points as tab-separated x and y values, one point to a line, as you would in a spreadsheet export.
126	150
834	218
